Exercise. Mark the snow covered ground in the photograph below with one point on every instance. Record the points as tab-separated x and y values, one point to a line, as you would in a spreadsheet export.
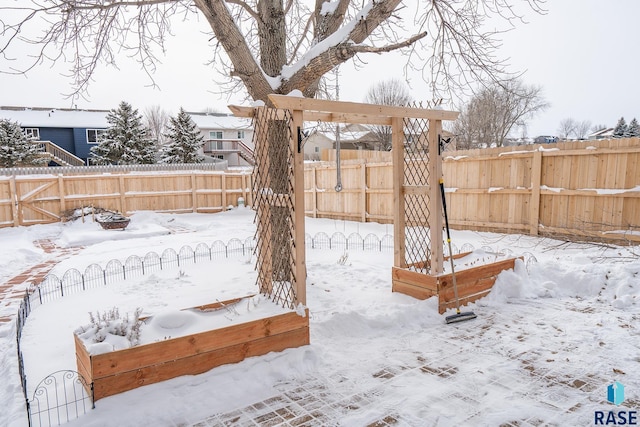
548	340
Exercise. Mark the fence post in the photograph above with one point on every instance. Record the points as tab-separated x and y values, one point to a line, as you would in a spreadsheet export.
122	190
536	177
363	189
13	194
314	188
194	193
63	205
223	184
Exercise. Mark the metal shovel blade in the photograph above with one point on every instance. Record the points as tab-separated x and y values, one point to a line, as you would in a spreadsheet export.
460	317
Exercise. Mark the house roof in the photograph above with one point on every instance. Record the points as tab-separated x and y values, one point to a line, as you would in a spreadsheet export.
602	133
219	121
55	118
70	118
351	132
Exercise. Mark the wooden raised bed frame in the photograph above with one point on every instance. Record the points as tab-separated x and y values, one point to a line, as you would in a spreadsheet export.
473	283
119	371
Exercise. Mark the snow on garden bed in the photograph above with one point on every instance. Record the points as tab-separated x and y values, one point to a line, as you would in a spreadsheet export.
109	331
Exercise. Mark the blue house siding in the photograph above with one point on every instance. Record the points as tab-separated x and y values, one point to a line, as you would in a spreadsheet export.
62	137
82	149
66	128
74	140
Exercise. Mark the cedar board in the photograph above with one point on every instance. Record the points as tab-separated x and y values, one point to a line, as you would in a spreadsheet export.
473	283
123	370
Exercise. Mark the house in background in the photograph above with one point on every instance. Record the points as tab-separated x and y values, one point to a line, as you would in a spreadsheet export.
66	135
358	137
545	139
315	142
606	133
352	137
226	137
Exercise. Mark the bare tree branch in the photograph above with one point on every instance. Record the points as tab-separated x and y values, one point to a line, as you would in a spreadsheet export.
265	46
491	114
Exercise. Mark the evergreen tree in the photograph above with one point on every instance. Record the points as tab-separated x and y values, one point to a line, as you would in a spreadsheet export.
620	131
633	131
184	140
126	140
16	149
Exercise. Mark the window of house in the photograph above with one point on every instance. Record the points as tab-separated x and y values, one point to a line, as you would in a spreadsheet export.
240	134
215	134
317	149
94	135
33	133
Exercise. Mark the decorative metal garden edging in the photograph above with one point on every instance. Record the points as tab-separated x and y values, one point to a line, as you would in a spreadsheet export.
61	397
73	280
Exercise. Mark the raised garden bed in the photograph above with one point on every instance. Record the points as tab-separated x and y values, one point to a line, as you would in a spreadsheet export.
122	370
473	282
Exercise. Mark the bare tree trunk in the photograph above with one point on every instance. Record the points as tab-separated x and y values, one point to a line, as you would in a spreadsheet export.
271	32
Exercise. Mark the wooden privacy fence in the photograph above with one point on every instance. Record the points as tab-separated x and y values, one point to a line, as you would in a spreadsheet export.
586	188
40	199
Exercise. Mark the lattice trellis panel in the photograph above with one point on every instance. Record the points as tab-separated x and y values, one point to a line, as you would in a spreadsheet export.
273	187
416	213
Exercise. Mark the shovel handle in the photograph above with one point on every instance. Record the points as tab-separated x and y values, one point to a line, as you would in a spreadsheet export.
444	208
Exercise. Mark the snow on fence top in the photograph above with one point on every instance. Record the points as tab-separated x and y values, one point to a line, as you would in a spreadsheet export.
217	166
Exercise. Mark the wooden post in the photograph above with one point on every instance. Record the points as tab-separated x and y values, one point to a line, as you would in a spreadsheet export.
122	191
223	187
435	204
13	189
63	205
363	190
314	184
397	152
300	269
536	174
194	193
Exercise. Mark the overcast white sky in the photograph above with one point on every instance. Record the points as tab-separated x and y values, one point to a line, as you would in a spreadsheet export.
584	54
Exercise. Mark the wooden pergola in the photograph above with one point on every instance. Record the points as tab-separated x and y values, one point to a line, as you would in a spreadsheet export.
418	221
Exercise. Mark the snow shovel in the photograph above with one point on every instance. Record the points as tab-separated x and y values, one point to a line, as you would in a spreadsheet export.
459	316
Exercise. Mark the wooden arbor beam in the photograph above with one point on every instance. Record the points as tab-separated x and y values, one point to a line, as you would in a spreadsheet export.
357	110
347	112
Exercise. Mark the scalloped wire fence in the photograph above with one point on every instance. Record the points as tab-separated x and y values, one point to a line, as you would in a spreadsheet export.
73	281
59	398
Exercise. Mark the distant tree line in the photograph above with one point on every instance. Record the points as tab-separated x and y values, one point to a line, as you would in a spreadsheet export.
570	127
624	130
128	141
491	114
